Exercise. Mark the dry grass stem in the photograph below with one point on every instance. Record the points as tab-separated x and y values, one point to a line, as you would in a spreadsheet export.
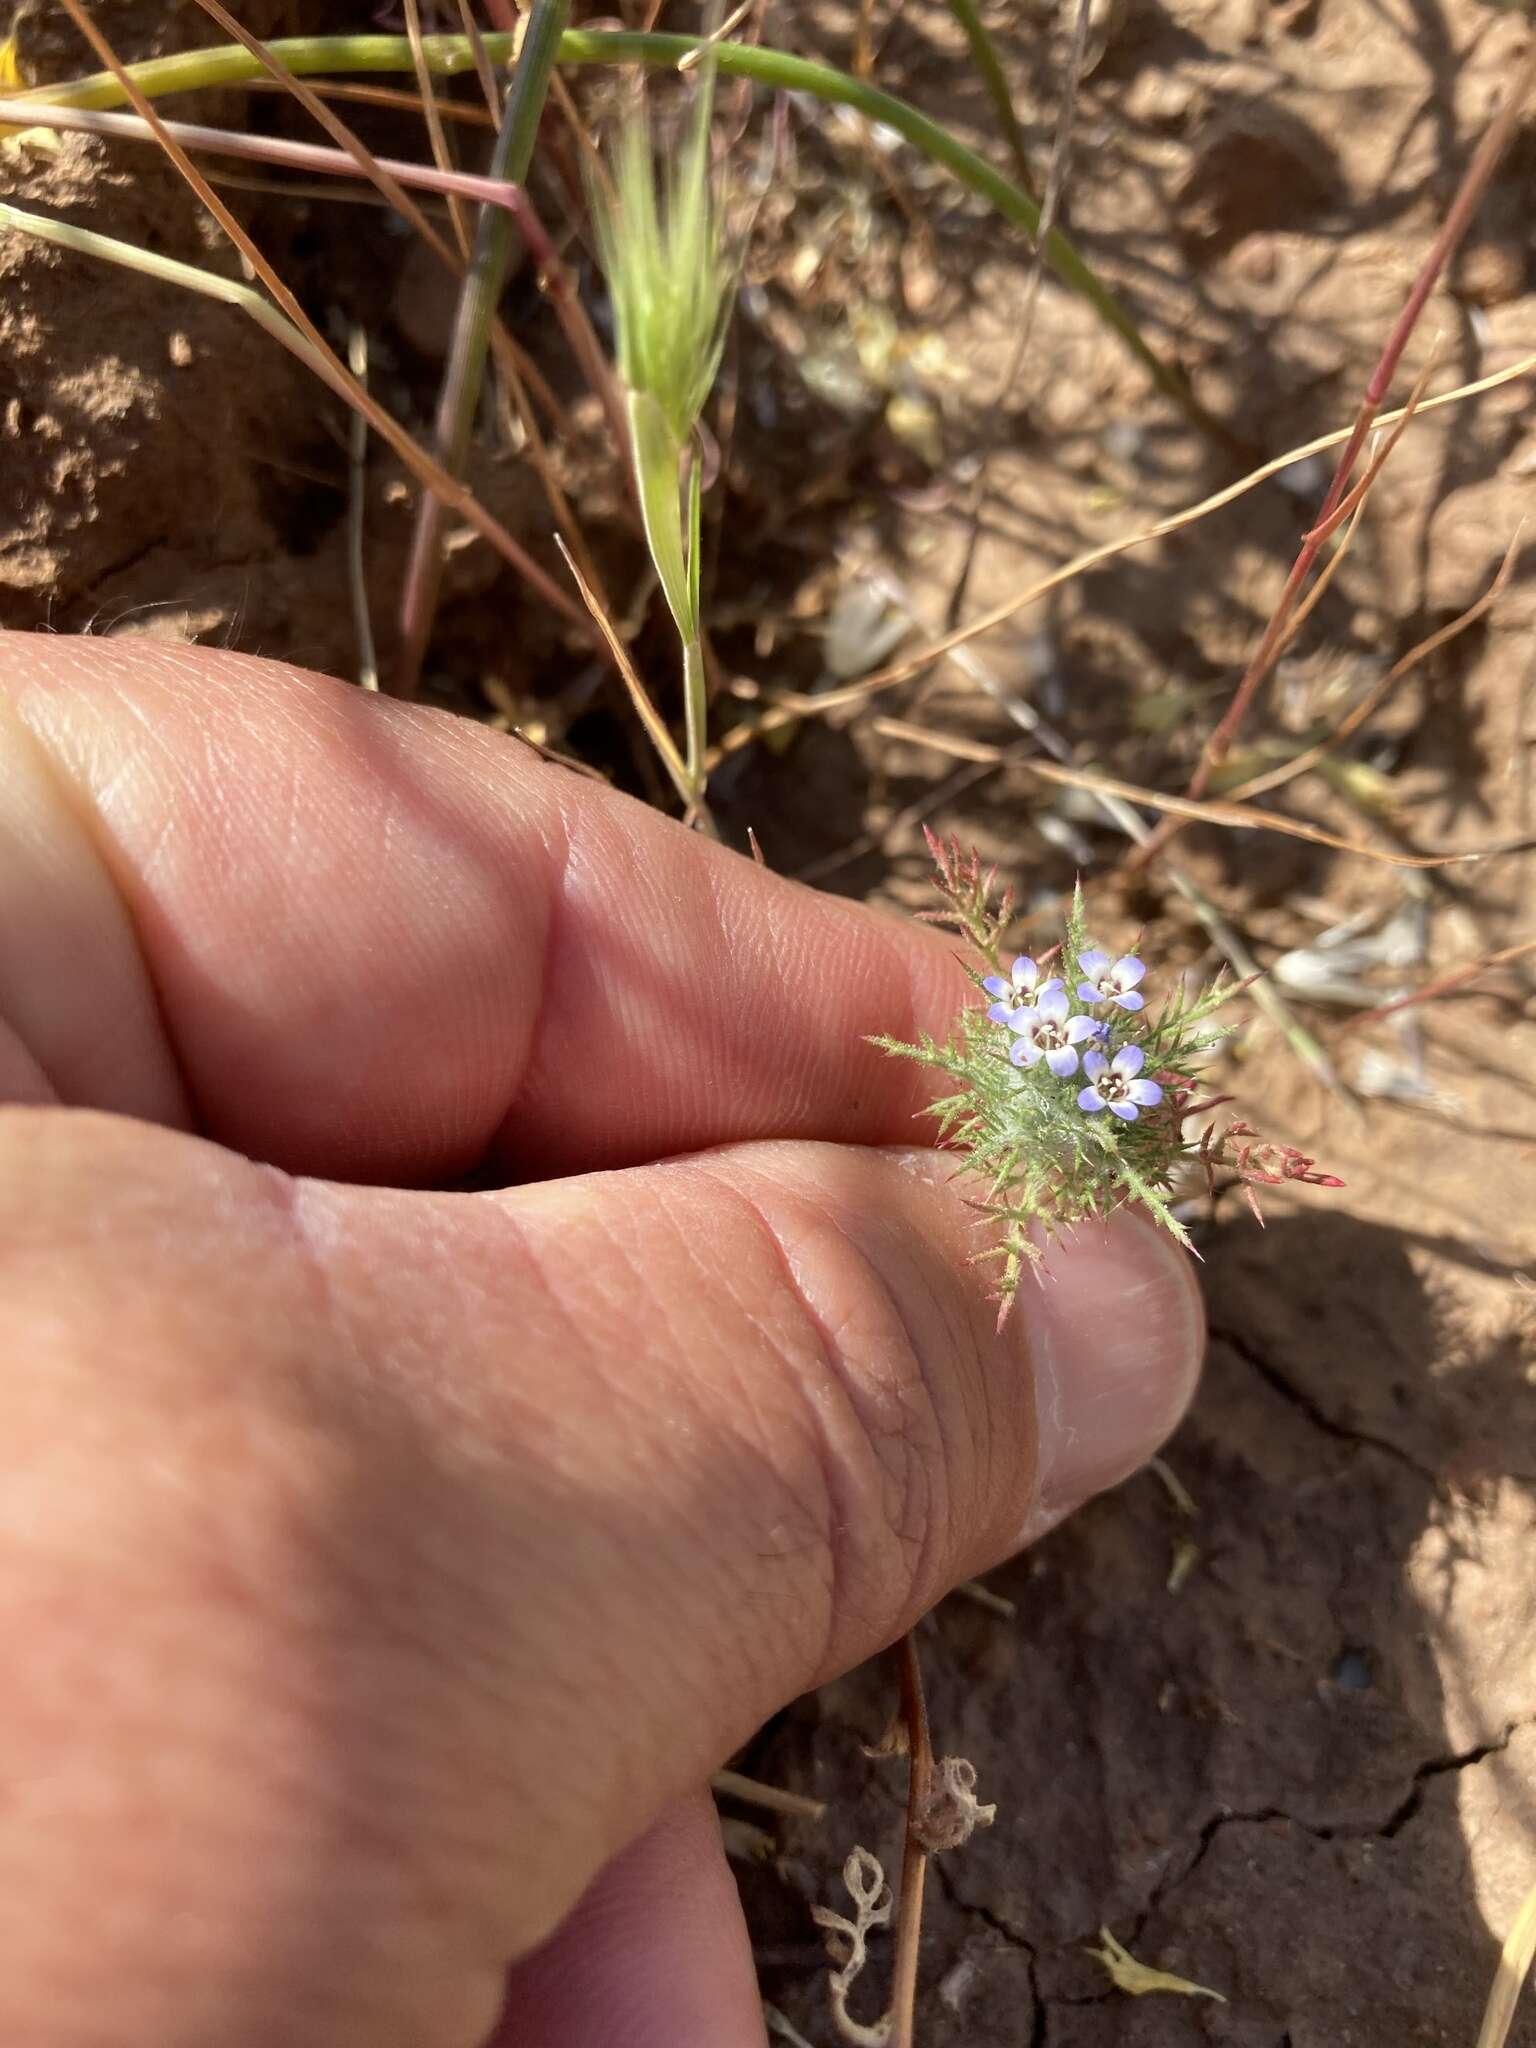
357	504
1509	1980
650	717
772	1798
788	706
1458	978
914	1854
1376	696
328	365
437	134
1210	811
1474	183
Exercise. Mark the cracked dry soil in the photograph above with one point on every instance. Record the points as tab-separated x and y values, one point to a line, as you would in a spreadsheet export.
1307	1778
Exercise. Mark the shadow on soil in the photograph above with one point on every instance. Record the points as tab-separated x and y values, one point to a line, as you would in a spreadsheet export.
1268	1780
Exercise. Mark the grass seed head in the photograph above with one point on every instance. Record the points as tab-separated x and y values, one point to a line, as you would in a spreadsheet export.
661	238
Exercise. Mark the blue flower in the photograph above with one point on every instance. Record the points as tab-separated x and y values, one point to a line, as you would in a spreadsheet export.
1047	1032
1106	981
1024	980
1112	1084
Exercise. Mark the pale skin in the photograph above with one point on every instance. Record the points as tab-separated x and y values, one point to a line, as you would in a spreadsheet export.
385	1566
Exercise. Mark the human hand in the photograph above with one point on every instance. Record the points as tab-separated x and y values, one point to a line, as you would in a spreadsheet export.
383	1569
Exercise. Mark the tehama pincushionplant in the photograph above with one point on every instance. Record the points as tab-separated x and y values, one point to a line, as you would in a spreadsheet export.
1073	1092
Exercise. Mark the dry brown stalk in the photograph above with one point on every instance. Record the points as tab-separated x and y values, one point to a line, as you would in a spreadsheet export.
1209	811
1457	978
1479	173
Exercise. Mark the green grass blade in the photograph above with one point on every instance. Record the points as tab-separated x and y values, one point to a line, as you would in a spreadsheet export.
695	534
984	56
463	377
656	473
307	56
188	277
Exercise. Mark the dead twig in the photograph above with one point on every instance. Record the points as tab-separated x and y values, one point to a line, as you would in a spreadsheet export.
788	706
1210	811
1474	183
357	503
1370	703
772	1798
914	1855
1457	978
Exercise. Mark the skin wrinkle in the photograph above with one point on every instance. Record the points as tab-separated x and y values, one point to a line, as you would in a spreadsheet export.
563	865
86	821
754	1425
459	787
833	1519
616	1386
928	1365
477	1437
912	1528
22	1079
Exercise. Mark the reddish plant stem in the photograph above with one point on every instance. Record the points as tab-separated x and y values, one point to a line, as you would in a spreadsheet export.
303	156
1457	978
1474	184
914	1857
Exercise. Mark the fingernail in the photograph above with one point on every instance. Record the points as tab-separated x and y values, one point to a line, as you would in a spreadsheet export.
1116	1333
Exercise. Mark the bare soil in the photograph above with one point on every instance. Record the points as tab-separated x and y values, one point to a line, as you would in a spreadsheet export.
1304	1774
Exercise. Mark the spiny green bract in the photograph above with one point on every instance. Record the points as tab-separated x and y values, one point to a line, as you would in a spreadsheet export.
1049	1162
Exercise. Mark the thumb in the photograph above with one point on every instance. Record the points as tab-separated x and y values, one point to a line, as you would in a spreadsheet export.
752	1415
475	1529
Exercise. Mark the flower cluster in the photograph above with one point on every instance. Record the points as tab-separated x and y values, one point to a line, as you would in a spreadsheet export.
1048	1029
1072	1095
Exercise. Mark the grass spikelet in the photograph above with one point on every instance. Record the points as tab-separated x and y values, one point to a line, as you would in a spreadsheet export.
661	239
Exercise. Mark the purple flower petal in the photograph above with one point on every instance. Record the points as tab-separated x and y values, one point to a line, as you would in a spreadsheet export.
1129	970
996	986
1079	1028
1025	972
1052	1004
1047	987
1093	963
1087	993
1024	1052
1145	1092
1000	1012
1062	1061
1024	1018
1130	1001
1094	1064
1090	1099
1126	1111
1128	1060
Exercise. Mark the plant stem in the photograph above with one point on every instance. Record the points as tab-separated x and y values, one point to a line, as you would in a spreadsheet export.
1474	184
188	70
984	56
695	714
914	1857
464	370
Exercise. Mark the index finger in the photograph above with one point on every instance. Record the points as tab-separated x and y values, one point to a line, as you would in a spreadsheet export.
371	941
